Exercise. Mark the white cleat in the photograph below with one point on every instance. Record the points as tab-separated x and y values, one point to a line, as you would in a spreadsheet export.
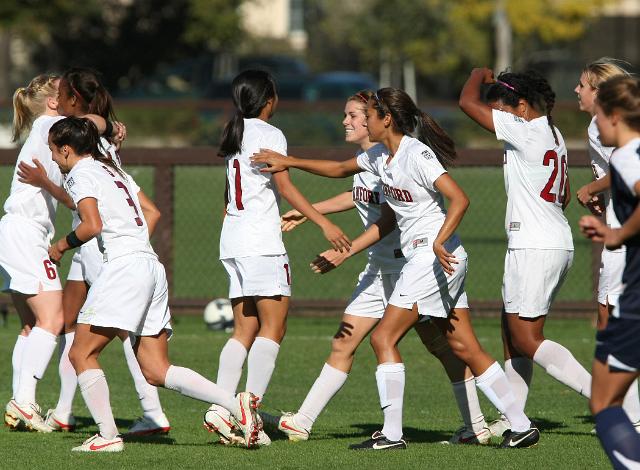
60	424
294	432
146	426
263	439
29	415
97	443
246	420
466	435
499	426
218	420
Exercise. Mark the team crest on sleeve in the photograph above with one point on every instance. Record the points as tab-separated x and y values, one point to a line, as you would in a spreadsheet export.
428	154
517	118
69	182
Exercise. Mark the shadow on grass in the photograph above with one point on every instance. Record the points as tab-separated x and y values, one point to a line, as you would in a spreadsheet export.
409	434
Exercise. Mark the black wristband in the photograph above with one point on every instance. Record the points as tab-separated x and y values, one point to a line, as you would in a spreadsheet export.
73	241
108	129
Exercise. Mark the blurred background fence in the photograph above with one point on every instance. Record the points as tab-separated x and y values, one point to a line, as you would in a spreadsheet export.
187	184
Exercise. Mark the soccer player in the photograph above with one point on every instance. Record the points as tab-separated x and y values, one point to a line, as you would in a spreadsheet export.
370	297
81	91
251	248
130	293
540	245
617	357
431	283
25	233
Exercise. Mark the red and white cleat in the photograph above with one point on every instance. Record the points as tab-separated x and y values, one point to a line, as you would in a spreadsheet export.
218	420
97	443
27	414
59	424
287	424
246	419
146	426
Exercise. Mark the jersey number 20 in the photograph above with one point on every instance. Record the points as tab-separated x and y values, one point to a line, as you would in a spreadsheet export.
546	194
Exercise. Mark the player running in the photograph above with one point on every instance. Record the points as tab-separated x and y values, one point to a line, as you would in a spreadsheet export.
251	248
370	297
617	357
540	245
431	283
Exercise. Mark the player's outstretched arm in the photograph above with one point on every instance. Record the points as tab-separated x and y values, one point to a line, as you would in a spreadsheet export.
150	212
333	169
90	227
458	204
471	100
332	232
340	203
37	176
331	259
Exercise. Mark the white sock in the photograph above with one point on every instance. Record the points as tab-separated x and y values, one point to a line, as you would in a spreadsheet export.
68	378
95	391
16	362
36	355
494	384
562	366
469	404
230	365
631	403
519	371
147	393
260	365
193	385
328	383
390	379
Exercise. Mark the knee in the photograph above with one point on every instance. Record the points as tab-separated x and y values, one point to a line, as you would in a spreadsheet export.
53	324
526	345
77	357
464	351
597	404
381	342
154	375
342	349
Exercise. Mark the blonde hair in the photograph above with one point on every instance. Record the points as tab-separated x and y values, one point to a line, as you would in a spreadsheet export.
31	102
602	70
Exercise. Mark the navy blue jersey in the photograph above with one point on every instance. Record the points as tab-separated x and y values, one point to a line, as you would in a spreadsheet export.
625	173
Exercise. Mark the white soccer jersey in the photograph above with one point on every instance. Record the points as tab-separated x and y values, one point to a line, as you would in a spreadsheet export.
600	156
124	230
408	186
252	224
386	255
535	176
25	200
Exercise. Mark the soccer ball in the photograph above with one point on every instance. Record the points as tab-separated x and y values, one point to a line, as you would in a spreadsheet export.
218	315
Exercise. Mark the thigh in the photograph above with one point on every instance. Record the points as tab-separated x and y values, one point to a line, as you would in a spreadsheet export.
47	308
272	313
353	329
73	297
394	324
525	334
152	353
27	318
89	341
457	328
245	320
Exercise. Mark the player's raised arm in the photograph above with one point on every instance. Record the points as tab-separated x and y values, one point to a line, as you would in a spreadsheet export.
471	99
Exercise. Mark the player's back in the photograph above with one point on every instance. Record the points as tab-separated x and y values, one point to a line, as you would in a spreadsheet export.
124	230
252	222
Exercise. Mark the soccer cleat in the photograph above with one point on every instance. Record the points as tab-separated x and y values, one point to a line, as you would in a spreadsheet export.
287	424
146	426
466	435
97	443
58	424
499	426
218	420
378	441
263	439
515	440
28	415
247	420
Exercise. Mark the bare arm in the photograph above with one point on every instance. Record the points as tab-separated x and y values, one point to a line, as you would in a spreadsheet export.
150	212
277	162
332	232
589	190
37	176
341	202
331	259
90	226
471	100
458	204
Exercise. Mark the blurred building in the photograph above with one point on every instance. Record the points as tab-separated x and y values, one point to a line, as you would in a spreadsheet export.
277	19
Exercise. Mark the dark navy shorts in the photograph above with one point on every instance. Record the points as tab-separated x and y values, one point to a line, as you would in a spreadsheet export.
618	345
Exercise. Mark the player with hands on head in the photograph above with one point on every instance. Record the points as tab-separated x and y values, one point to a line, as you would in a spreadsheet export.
617	359
251	248
540	245
130	293
431	283
371	295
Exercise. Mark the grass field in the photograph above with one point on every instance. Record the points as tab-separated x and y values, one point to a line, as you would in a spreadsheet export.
430	413
198	218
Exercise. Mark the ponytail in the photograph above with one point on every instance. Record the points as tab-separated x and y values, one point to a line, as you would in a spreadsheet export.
22	116
31	102
541	85
431	134
250	91
86	85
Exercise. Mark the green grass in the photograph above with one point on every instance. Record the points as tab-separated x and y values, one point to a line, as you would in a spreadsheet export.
198	219
430	413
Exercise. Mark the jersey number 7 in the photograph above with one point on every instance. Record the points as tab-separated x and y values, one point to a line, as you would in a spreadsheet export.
546	194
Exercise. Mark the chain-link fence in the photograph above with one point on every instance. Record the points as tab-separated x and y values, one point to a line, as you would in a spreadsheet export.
188	186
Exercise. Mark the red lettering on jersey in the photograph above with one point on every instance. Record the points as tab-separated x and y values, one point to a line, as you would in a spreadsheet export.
402	195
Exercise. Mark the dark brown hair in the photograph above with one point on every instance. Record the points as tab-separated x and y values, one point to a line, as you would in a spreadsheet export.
622	94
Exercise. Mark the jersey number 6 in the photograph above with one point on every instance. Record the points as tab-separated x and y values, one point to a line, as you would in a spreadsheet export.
546	193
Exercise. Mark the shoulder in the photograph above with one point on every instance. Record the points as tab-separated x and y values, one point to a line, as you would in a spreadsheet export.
419	153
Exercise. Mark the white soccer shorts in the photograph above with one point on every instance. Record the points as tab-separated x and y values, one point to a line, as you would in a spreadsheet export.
264	276
372	293
532	278
86	263
610	285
